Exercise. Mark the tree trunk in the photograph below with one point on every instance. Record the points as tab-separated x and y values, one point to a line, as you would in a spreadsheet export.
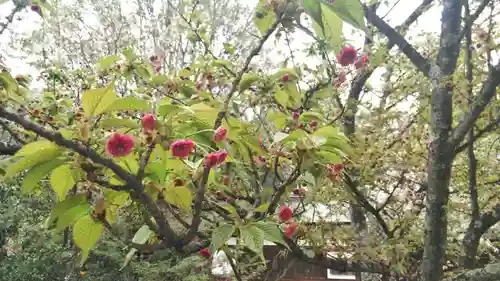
441	149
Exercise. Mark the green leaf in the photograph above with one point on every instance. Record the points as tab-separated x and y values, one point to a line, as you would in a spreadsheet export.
310	115
247	80
262	208
72	214
113	123
330	29
167	109
45	154
279	118
8	82
187	91
252	237
179	196
97	101
220	235
205	113
61	180
264	16
351	11
282	98
86	233
129	103
225	63
37	173
294	97
334	139
129	163
142	235
329	157
35	147
68	211
106	62
313	9
292	73
272	232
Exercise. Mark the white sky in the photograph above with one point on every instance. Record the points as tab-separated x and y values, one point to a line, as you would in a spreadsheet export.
430	22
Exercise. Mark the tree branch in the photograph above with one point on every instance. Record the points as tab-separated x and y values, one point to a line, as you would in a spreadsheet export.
200	194
132	182
8	150
488	91
472	18
10	18
339	265
490	272
397	39
488	128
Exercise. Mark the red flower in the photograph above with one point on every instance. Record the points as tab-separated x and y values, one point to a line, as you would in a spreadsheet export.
286	213
295	115
205	253
211	160
347	56
214	159
182	148
290	230
339	80
221	156
336	169
148	123
220	134
119	145
361	62
285	78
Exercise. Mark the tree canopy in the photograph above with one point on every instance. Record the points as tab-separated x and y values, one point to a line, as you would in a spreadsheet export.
167	128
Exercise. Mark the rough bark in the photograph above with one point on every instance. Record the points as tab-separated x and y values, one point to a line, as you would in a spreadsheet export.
441	149
490	272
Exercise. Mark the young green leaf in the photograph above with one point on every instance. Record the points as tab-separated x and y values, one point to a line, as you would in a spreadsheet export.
37	173
247	80
264	16
129	103
220	235
272	232
252	237
45	154
61	180
179	196
116	123
106	62
86	233
97	101
330	29
351	11
68	211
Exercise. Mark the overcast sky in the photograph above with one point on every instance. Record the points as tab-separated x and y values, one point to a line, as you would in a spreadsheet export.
430	22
